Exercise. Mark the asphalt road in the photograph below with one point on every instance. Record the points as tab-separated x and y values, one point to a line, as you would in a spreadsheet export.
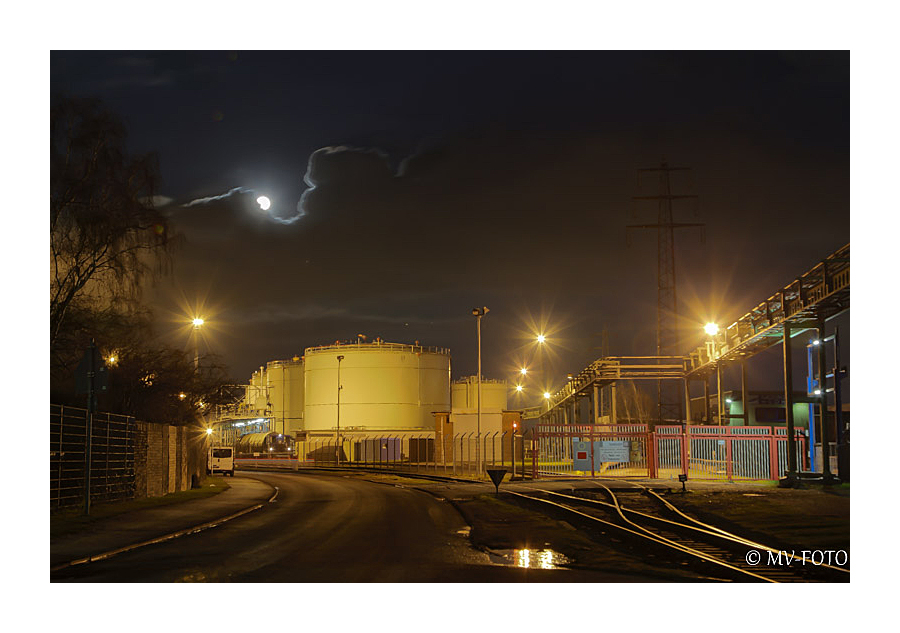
321	528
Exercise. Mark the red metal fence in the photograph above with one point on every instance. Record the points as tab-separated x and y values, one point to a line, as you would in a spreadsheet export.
700	452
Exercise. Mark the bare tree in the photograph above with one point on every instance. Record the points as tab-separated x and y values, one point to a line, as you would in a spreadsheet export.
105	233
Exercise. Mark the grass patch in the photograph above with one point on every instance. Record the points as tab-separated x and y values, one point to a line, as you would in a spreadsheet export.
70	520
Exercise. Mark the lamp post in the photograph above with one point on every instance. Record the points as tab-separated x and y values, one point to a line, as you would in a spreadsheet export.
540	340
337	438
478	313
712	330
197	323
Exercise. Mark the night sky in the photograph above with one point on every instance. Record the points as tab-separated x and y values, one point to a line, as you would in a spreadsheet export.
409	187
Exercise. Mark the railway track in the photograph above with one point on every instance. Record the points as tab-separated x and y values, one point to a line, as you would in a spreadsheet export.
678	538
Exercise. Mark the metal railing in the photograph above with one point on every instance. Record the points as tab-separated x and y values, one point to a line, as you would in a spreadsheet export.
112	456
381	346
622	450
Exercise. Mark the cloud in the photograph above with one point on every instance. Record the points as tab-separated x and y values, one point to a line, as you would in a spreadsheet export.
157	202
362	168
227	194
248	202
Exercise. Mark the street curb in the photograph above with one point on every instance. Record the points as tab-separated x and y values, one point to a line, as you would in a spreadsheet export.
167	537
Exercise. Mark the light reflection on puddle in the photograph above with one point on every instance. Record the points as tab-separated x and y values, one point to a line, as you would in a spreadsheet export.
531	558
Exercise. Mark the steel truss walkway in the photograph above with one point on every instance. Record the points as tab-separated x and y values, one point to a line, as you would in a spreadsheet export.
819	294
815	296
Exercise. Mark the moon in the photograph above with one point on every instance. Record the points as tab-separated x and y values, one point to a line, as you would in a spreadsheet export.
264	203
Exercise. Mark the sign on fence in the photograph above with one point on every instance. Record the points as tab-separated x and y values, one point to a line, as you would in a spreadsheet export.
613	451
608	451
581	454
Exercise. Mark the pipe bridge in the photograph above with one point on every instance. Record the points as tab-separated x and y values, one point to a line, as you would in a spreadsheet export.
817	295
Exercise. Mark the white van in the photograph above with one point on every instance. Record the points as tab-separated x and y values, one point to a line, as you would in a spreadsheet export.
221	460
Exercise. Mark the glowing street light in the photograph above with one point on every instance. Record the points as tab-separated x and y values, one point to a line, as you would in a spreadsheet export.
541	338
712	330
546	395
523	371
519	388
209	431
197	322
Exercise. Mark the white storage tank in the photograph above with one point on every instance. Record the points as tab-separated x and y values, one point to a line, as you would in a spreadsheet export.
284	391
494	394
385	386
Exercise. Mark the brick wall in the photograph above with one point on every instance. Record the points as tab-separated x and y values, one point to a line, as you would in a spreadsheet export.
172	457
162	453
140	460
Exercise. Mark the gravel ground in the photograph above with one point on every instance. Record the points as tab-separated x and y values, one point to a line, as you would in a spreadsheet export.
812	518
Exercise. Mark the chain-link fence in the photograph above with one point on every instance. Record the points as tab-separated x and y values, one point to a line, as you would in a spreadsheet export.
456	455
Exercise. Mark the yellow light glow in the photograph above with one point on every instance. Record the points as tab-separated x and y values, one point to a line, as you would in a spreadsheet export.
209	431
112	359
519	388
523	371
197	322
546	395
541	338
711	328
182	396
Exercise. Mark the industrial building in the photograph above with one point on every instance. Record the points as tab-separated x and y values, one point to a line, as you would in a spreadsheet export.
764	408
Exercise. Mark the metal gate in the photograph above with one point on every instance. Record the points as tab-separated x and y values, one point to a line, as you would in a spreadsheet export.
579	450
701	452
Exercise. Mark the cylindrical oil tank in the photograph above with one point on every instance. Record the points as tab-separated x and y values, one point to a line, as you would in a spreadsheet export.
465	394
284	386
384	386
256	398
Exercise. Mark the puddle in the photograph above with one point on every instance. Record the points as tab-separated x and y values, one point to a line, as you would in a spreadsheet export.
529	558
465	531
752	494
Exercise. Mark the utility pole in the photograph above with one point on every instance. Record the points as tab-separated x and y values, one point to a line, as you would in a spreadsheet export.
337	439
669	396
88	432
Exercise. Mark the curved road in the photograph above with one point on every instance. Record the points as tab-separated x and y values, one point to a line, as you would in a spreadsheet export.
321	528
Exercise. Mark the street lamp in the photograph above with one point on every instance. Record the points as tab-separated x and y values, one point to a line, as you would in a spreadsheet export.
338	432
541	339
712	330
478	313
197	322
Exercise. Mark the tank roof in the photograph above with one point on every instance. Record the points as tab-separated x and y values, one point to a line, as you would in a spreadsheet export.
377	346
474	380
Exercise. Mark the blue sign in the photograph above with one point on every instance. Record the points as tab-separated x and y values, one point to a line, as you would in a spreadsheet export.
581	454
